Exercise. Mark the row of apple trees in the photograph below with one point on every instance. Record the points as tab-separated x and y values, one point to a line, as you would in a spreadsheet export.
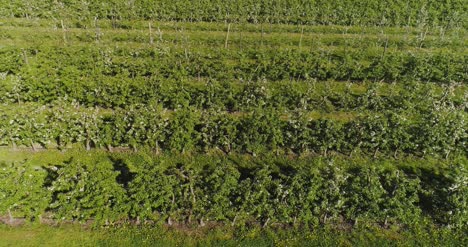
441	132
237	96
318	12
75	64
196	190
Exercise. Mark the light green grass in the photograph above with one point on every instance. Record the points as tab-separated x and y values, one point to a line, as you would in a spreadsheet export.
75	235
8	156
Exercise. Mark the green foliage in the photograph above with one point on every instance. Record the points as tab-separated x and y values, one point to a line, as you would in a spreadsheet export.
438	131
444	194
239	190
219	130
86	188
23	190
152	191
262	126
339	79
182	134
82	75
219	183
342	12
128	77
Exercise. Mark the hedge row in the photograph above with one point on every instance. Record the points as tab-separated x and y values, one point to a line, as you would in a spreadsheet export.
237	191
44	65
437	132
328	96
341	12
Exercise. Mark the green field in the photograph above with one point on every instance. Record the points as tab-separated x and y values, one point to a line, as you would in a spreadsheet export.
237	123
144	236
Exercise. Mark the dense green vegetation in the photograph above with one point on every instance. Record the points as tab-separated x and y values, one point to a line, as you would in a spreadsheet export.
317	12
177	90
236	190
264	129
274	122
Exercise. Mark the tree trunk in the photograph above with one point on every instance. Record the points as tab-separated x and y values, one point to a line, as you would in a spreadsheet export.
64	32
202	223
261	38
25	57
266	222
88	145
302	34
32	146
11	219
234	221
160	35
169	221
150	33
157	148
240	41
227	36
